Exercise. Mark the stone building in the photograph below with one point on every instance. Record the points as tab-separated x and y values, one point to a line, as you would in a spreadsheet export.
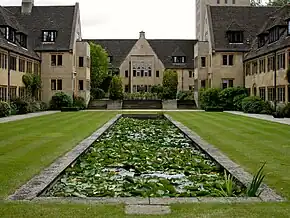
269	58
45	40
141	62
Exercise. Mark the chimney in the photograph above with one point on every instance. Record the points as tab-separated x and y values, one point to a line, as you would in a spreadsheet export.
142	35
26	7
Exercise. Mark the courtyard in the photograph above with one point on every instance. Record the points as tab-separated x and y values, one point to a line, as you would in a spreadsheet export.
30	145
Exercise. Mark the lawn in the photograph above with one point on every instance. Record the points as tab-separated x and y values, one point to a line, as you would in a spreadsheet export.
28	146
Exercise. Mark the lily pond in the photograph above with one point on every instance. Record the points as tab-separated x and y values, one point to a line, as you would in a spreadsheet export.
142	158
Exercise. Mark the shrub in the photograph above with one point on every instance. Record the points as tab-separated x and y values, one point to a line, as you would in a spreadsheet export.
60	100
214	109
97	93
79	102
209	98
238	102
13	110
185	95
43	106
116	88
279	113
268	108
158	89
35	106
253	104
228	95
170	83
23	106
287	111
4	109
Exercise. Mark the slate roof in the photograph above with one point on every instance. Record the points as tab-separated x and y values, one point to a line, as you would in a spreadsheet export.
246	18
59	18
164	49
277	18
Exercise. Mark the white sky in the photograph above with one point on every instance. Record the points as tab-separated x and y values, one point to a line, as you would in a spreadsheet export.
111	19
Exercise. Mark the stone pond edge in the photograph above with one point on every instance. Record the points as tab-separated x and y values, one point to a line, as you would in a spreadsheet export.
40	182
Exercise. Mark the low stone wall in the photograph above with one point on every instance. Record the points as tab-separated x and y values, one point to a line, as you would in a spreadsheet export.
142	104
186	104
98	104
169	104
114	105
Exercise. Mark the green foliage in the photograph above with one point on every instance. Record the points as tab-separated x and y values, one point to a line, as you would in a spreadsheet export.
32	83
287	110
99	65
228	188
141	95
256	183
158	89
214	109
268	108
79	102
227	96
170	83
97	93
253	104
4	109
209	98
116	88
280	111
144	158
288	74
277	2
256	3
238	101
105	85
59	100
185	95
23	106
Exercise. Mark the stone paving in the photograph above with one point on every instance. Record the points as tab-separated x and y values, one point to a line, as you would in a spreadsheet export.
25	116
262	117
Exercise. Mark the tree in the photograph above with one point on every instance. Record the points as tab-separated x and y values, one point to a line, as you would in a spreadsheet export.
32	83
99	65
277	2
170	83
256	3
116	88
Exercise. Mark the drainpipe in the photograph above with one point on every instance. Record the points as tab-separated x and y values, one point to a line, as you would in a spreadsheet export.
275	81
9	78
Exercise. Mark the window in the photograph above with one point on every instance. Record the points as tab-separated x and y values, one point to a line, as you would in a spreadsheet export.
88	84
217	1
203	83
126	88
13	63
21	65
36	68
3	93
226	83
110	59
228	60
10	34
190	88
48	36
178	59
271	94
254	67
190	74
81	85
3	61
288	27
23	40
262	93
12	92
234	2
157	73
142	73
22	92
29	67
134	73
281	94
271	63
262	66
149	73
134	88
59	60
53	60
261	40
274	34
126	73
81	61
281	61
248	69
235	36
226	1
56	84
203	61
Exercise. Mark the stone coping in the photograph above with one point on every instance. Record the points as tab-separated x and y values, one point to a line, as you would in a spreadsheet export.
38	184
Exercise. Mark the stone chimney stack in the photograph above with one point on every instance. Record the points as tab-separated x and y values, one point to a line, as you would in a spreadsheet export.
142	35
26	6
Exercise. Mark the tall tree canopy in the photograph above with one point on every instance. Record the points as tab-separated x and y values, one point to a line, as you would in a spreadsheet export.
270	2
99	65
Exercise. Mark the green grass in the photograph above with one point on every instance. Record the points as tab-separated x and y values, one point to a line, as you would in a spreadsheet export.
28	146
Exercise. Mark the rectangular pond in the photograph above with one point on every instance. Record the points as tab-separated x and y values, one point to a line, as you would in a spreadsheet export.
142	158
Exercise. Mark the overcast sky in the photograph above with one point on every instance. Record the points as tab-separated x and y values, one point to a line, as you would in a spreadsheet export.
111	19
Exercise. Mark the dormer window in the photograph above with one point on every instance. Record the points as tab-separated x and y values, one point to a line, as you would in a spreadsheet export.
23	40
178	59
274	34
288	27
235	36
110	59
261	40
48	36
10	34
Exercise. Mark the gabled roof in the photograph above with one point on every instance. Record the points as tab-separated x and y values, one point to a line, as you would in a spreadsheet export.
248	19
164	49
277	18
